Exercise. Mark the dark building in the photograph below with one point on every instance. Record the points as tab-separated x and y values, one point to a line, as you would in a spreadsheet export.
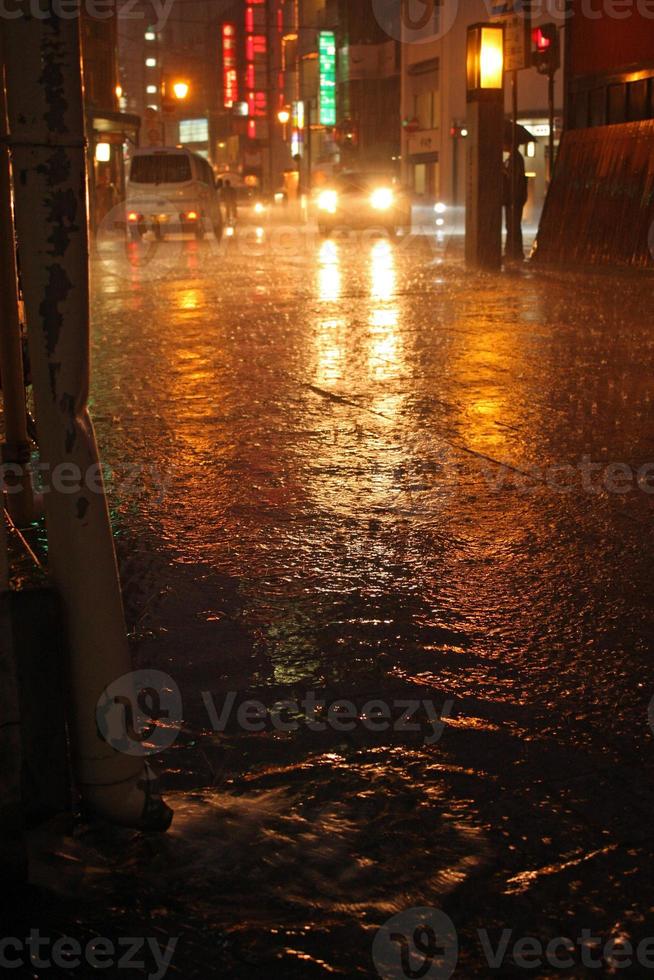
369	86
364	128
600	208
110	131
159	59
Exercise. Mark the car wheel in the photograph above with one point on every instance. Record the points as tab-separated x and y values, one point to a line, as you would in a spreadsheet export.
218	229
135	233
158	231
199	231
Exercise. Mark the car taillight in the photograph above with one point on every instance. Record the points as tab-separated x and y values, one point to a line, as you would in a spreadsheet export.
191	216
132	216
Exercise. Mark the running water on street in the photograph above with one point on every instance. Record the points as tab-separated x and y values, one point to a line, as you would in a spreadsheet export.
347	470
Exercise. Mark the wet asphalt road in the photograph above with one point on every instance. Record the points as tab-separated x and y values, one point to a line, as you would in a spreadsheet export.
357	469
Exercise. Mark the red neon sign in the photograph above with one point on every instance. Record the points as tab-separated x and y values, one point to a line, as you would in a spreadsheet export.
230	75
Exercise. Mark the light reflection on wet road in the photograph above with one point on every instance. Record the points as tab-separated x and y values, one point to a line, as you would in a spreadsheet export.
320	507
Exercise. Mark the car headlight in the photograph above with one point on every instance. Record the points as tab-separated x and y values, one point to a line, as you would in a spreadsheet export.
327	201
259	208
440	208
382	199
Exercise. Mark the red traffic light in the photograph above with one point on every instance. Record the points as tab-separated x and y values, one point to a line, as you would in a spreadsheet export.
546	56
541	39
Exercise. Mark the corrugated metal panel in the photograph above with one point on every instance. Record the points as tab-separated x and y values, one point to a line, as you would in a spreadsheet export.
600	207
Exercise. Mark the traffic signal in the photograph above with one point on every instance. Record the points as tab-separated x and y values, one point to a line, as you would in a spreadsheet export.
547	49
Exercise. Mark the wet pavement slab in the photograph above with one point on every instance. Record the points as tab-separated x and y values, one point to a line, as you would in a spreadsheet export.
353	473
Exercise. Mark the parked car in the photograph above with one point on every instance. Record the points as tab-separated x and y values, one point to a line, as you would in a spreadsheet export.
172	189
358	199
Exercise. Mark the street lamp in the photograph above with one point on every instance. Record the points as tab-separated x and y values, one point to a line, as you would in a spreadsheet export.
485	125
283	117
181	90
485	61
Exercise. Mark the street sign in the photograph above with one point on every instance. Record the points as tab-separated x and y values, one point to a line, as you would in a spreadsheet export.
515	15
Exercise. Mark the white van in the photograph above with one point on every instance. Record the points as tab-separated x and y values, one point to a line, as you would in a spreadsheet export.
171	188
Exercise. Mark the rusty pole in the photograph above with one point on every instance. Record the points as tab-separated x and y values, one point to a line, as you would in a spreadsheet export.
48	147
16	447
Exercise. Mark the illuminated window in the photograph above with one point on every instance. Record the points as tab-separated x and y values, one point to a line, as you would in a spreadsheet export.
151	90
150	62
194	131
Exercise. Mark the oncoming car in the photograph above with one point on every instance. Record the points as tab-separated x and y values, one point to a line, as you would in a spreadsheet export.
363	200
172	189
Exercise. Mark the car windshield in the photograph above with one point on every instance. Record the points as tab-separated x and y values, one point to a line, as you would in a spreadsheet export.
160	168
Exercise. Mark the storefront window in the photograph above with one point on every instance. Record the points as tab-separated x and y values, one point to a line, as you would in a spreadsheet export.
426	109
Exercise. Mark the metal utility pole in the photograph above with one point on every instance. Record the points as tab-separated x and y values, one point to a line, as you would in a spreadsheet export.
551	96
271	89
48	149
308	111
513	167
16	447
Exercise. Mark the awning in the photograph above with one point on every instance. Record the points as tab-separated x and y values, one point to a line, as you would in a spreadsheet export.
109	122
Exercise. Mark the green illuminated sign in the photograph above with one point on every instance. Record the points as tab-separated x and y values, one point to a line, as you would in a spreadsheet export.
327	55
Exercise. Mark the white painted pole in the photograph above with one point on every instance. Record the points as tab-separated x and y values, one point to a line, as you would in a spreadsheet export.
47	143
12	855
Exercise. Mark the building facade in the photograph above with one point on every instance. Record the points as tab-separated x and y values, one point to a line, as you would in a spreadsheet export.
319	85
160	60
110	131
277	89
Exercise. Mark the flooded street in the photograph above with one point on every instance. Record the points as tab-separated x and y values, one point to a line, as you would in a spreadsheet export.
353	471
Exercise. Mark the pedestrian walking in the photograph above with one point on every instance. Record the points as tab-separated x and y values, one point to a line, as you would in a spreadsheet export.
514	198
229	201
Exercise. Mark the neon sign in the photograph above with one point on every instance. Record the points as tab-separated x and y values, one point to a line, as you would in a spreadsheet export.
327	61
230	76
